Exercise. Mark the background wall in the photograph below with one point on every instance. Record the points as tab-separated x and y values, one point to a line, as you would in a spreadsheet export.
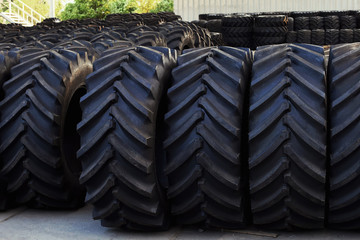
190	9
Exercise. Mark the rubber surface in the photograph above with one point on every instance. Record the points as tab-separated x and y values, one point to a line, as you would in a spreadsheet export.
37	147
344	207
287	137
204	158
119	137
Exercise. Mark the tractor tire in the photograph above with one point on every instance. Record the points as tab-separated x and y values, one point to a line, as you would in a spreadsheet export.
271	21
304	36
318	37
331	22
301	23
346	36
356	35
332	36
291	37
203	139
316	22
287	137
348	22
290	24
120	138
38	137
344	84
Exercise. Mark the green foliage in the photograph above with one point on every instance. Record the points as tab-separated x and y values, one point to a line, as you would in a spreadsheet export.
122	6
82	9
164	6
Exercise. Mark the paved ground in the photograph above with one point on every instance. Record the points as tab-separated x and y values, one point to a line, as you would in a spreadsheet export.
28	224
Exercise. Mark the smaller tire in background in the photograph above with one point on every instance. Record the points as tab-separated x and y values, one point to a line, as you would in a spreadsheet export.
290	24
214	25
271	21
347	22
316	22
304	36
356	35
346	36
318	37
291	37
332	36
331	22
301	23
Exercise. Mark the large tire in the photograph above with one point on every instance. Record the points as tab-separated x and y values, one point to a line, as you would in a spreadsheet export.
38	129
271	21
332	36
301	23
318	37
347	22
316	22
119	137
204	159
304	36
356	35
331	22
346	36
291	37
344	203
287	137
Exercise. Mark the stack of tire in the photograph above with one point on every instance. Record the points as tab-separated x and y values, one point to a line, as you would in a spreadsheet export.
322	28
237	30
270	29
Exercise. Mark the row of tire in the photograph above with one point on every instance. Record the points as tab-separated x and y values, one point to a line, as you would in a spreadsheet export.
177	35
252	30
214	136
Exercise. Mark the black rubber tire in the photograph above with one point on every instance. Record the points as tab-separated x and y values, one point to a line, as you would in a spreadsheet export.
356	35
290	24
204	159
217	39
331	22
318	37
301	23
119	137
237	21
270	31
291	37
332	36
347	22
214	25
287	137
304	36
344	207
271	21
237	31
148	39
38	129
261	41
245	42
316	22
346	36
179	38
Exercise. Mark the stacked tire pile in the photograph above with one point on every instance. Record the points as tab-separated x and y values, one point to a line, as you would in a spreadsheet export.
270	29
325	28
153	126
238	30
319	28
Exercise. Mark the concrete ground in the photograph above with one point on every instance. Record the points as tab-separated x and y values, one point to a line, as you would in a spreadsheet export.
29	224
